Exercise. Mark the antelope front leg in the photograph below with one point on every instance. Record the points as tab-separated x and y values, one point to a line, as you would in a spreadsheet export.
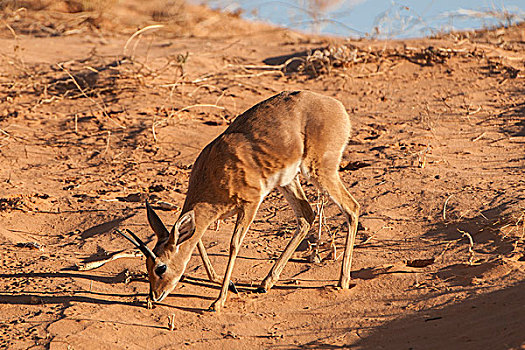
244	219
210	271
275	272
294	194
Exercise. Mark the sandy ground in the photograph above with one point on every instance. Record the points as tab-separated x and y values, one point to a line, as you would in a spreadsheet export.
92	123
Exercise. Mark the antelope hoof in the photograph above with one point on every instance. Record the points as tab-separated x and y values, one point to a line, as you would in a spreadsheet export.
344	283
214	307
232	288
211	309
261	290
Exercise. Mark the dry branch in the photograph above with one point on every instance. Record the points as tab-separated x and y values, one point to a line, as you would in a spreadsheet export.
445	208
470	247
139	32
98	263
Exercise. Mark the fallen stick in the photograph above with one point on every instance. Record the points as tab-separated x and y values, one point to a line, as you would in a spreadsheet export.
445	208
114	256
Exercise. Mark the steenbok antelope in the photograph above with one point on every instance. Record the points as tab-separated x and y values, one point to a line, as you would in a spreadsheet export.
265	147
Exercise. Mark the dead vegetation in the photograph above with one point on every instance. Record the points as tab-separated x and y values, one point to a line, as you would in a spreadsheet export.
10	203
101	18
45	18
335	59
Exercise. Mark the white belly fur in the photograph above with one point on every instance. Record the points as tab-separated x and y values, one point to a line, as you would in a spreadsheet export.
281	178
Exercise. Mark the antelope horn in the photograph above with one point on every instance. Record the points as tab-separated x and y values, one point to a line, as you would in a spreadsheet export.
137	242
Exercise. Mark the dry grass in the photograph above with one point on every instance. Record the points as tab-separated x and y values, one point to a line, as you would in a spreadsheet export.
71	6
166	10
52	18
326	60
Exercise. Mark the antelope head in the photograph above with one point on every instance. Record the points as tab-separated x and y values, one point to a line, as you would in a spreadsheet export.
166	262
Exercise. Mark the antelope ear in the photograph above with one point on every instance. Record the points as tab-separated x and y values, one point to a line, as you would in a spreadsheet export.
183	228
156	224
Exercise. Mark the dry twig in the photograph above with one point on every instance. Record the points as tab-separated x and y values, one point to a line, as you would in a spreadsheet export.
445	208
470	247
171	322
98	263
139	32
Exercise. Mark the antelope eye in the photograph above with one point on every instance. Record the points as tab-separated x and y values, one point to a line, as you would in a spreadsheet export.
159	270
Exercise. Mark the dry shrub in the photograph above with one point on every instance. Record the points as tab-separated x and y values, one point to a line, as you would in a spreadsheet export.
70	6
323	60
44	18
97	79
10	203
100	6
165	10
93	76
34	5
510	226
